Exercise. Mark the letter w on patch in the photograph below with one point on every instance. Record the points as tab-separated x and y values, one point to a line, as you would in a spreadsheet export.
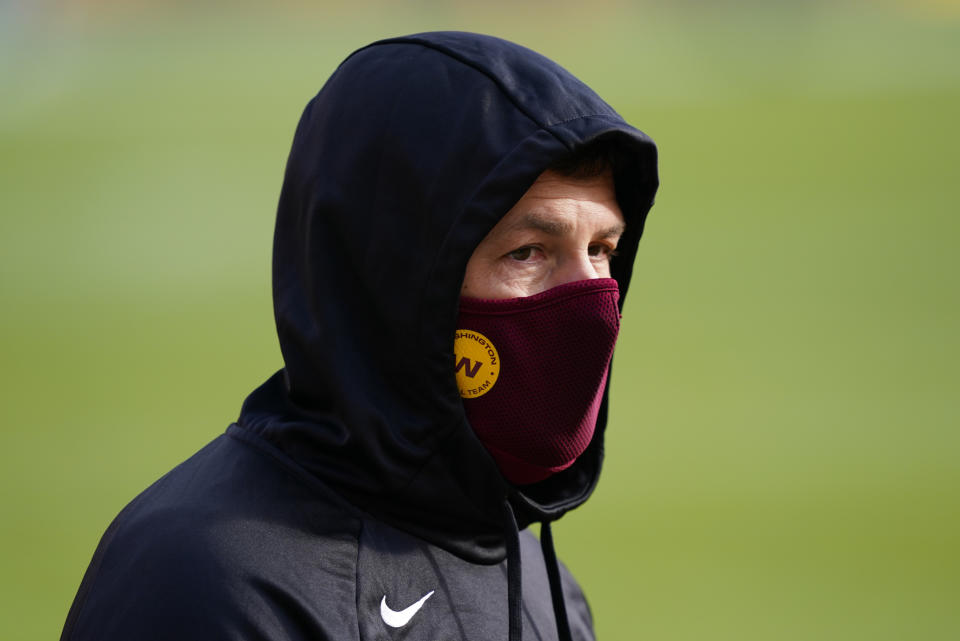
465	364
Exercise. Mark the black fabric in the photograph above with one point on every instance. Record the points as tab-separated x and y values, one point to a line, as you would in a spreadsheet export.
514	576
400	166
556	587
352	474
238	543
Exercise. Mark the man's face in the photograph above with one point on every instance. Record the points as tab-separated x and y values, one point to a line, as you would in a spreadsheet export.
562	230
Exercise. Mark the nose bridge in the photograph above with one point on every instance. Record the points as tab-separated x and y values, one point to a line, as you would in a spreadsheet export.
576	266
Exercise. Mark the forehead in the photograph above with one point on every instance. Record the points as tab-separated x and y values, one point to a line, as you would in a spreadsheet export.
555	201
551	184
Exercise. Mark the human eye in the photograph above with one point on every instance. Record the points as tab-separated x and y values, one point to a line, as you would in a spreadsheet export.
523	254
602	250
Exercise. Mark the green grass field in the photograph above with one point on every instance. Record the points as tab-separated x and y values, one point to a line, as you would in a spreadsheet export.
784	444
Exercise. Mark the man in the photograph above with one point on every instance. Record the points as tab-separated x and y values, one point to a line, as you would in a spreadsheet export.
455	232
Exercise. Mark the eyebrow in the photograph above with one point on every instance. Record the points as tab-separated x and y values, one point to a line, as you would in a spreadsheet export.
534	220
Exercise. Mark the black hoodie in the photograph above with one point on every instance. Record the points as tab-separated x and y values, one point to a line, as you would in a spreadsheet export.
352	483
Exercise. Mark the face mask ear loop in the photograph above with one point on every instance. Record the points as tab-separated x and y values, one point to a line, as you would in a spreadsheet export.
514	574
556	589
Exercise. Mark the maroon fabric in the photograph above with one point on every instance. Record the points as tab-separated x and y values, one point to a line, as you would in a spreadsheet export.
554	352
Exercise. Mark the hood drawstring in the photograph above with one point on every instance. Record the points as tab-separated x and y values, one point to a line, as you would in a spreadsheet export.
514	575
515	578
553	575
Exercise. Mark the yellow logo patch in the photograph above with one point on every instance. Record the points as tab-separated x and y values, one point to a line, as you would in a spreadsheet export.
476	361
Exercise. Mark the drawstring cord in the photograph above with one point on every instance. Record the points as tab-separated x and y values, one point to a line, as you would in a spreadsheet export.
553	575
514	575
515	578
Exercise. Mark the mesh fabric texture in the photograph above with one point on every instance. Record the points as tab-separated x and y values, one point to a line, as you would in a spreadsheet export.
555	349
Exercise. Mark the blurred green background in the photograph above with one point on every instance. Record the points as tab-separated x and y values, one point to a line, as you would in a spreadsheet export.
783	449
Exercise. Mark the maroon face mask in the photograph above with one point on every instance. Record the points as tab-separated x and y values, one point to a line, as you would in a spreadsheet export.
532	371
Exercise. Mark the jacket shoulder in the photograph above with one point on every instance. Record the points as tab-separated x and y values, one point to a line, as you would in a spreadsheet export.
228	545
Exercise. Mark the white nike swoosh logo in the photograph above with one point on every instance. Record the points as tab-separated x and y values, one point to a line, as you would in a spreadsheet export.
399	619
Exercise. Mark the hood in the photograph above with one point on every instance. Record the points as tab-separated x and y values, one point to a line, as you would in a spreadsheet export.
408	156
